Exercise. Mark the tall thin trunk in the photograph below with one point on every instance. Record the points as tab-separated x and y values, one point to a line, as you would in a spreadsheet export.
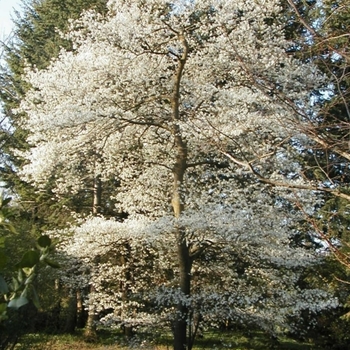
71	314
90	328
97	196
124	285
80	310
183	253
185	266
193	329
179	169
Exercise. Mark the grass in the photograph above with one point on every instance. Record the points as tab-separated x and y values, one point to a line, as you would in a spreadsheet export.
115	341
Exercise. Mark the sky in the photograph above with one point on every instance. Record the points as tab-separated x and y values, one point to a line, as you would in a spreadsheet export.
6	10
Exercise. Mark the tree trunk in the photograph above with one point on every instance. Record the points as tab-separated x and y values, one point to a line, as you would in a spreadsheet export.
71	314
185	266
97	196
80	310
90	328
183	253
179	169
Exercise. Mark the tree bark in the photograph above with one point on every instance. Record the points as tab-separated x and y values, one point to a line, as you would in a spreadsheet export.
71	314
183	253
80	310
179	169
97	196
90	329
181	321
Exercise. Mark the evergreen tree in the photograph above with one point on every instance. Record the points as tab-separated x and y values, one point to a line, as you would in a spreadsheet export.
323	36
37	40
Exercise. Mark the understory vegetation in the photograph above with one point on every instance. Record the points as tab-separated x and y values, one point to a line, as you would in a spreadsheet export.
243	339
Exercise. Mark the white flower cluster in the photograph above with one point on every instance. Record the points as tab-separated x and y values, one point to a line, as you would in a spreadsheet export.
110	100
246	273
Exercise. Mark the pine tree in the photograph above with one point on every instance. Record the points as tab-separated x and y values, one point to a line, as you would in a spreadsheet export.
37	40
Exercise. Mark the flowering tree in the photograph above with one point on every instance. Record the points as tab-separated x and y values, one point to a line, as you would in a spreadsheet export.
243	276
158	96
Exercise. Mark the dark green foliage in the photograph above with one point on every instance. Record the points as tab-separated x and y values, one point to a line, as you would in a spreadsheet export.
20	289
321	33
36	37
36	42
17	281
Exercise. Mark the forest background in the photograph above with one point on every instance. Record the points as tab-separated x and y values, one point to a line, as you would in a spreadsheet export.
188	161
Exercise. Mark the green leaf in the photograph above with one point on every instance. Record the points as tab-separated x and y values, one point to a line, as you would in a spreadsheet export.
3	286
35	297
18	302
6	201
3	307
24	293
44	241
11	228
27	270
52	263
15	285
20	276
30	279
29	259
3	312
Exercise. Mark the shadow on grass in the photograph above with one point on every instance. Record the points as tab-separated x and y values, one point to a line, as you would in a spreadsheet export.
253	341
238	340
160	340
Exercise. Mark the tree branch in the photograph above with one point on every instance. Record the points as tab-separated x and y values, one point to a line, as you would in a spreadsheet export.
249	166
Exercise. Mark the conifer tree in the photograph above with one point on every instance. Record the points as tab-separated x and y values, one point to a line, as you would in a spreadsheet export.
37	40
323	38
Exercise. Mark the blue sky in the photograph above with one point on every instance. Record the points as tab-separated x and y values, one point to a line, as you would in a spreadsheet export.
6	9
